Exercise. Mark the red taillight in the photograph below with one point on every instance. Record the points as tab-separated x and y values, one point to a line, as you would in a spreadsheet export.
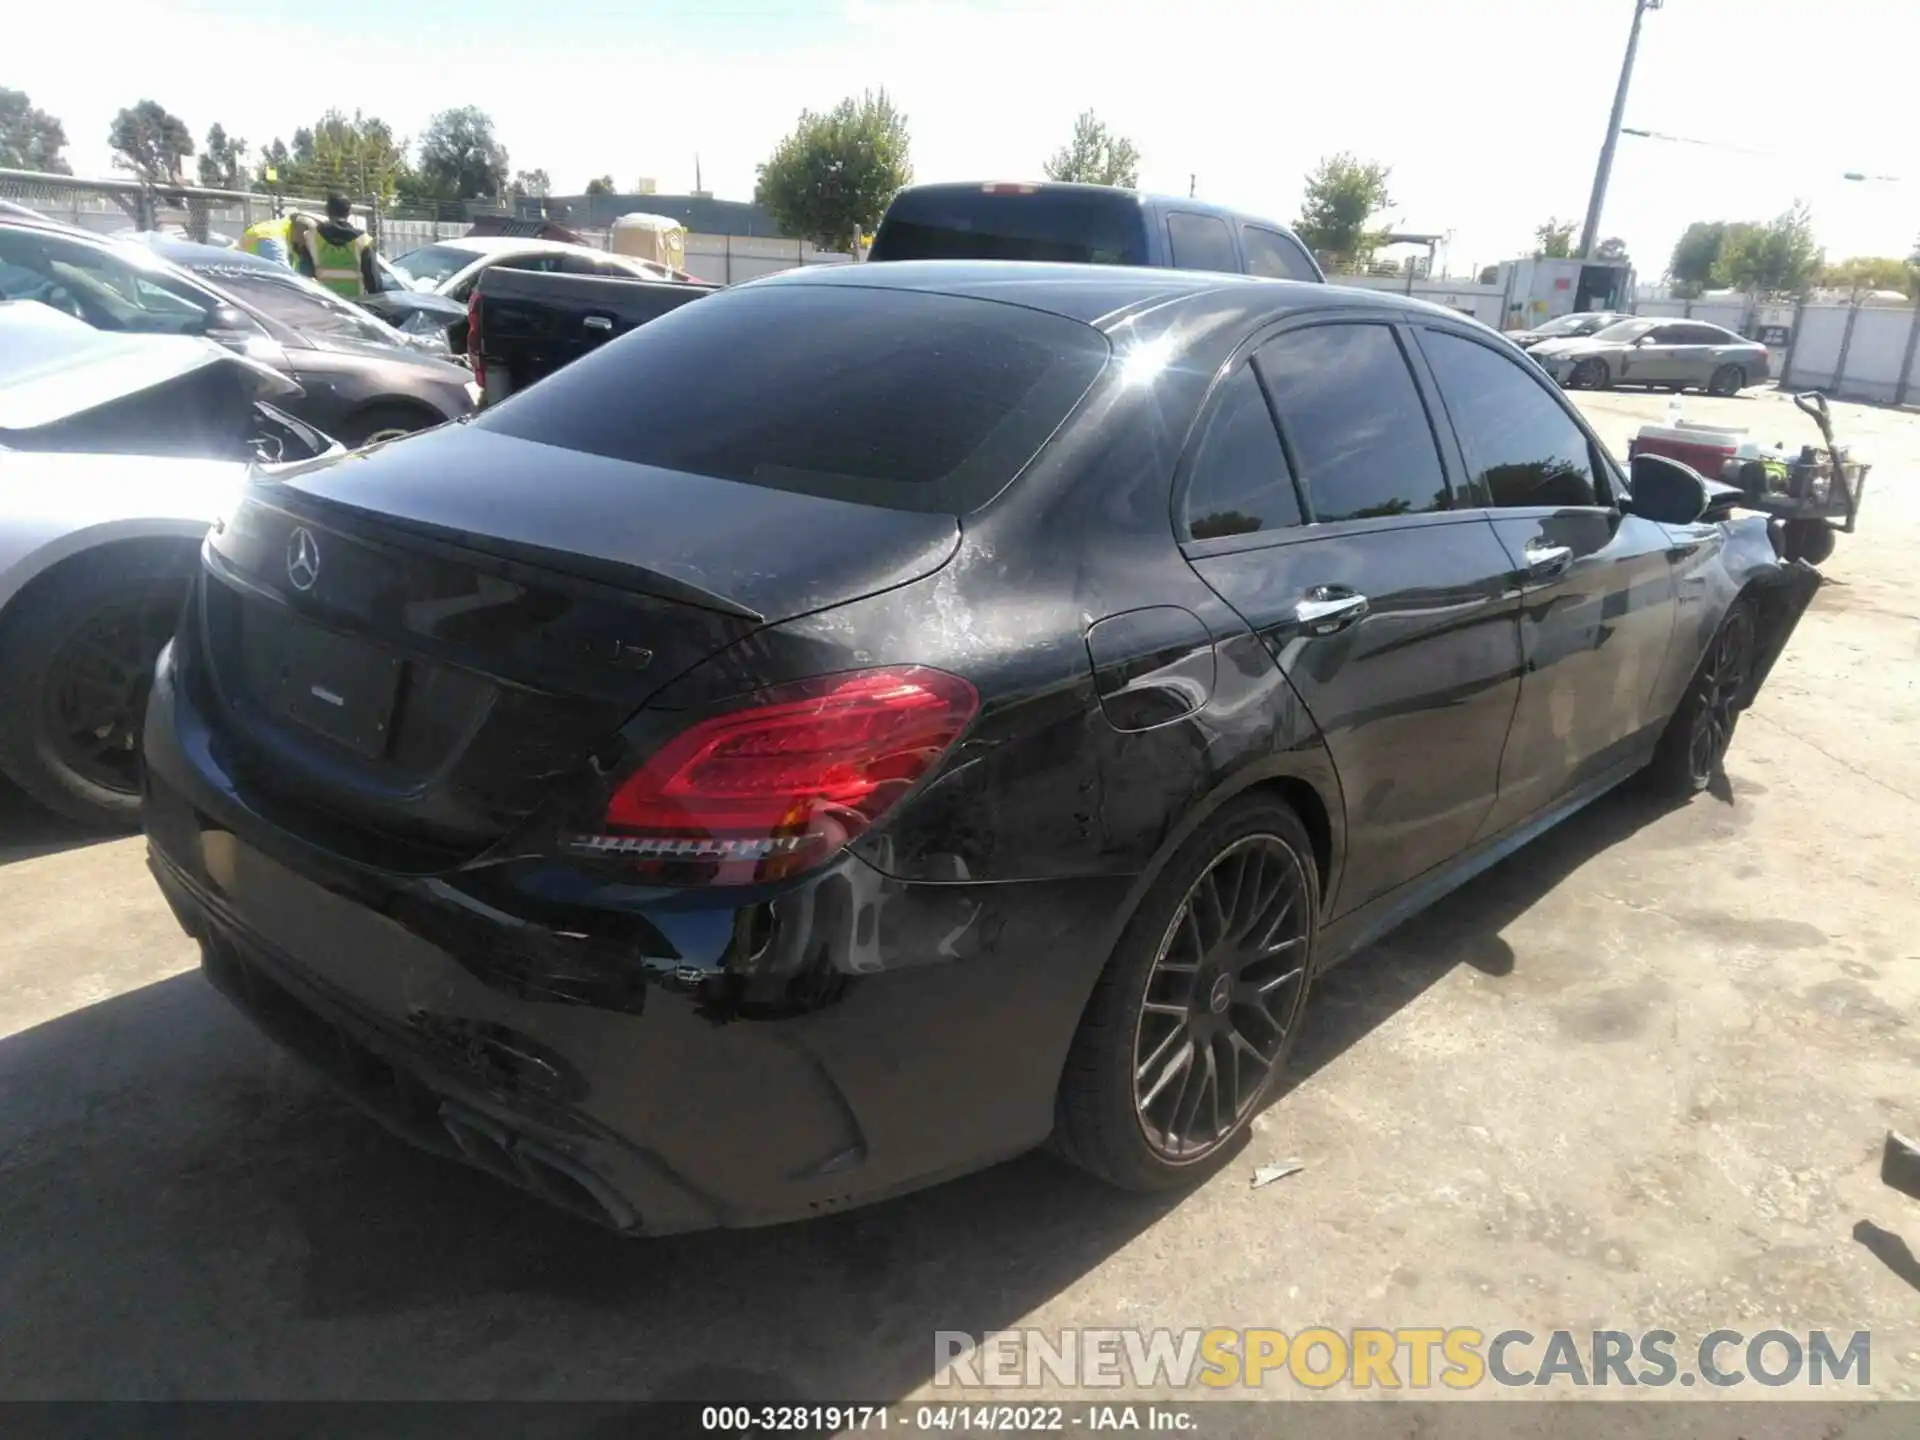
778	785
479	366
1002	187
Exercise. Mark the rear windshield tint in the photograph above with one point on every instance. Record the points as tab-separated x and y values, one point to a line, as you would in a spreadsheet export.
1062	225
887	397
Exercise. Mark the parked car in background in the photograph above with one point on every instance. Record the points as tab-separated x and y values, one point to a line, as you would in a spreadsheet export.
851	729
360	380
1666	354
451	268
1085	225
1567	327
116	453
524	324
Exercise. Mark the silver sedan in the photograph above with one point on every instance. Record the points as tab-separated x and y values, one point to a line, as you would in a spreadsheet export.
1669	354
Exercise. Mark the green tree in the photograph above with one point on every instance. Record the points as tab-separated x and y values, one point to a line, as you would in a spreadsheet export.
1096	156
600	185
1555	239
1611	248
830	180
223	161
531	182
1489	275
461	158
1870	272
30	139
357	156
1695	254
1342	195
1779	257
150	141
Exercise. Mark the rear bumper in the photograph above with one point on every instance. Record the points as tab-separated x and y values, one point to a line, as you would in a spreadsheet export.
658	1061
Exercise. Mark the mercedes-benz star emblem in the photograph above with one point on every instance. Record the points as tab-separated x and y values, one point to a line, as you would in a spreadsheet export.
303	558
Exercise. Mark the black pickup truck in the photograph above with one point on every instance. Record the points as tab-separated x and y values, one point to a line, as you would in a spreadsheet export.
523	324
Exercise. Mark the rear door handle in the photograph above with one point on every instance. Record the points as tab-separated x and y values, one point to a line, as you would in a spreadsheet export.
1545	561
597	322
1327	609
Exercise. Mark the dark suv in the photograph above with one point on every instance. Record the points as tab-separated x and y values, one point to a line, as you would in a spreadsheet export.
1085	225
858	726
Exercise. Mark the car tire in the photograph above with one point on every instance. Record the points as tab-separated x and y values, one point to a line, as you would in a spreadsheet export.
1199	1005
380	423
77	649
1591	374
1693	748
1808	540
1727	380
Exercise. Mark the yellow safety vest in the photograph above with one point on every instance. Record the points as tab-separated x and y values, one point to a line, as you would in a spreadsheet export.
338	266
279	229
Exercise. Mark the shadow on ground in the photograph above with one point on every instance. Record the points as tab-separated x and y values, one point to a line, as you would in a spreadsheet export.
27	829
188	1214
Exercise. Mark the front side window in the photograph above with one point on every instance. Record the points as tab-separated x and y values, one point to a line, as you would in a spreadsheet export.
107	292
1519	444
1239	483
1201	242
1354	422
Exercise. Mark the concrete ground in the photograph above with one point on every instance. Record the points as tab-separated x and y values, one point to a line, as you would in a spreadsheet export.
1635	1077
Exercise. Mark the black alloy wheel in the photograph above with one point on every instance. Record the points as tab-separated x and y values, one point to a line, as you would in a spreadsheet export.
1727	380
1718	688
1221	999
95	692
1590	374
1191	1022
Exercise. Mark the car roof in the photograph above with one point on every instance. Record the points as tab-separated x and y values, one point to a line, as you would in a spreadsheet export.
506	244
192	254
1104	295
1140	197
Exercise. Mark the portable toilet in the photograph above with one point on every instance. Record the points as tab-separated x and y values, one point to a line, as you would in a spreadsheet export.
650	237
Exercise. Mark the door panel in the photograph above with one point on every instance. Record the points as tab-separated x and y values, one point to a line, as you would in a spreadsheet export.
1413	692
1596	617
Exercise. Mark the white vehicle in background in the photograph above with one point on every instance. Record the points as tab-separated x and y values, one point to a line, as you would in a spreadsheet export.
116	454
450	267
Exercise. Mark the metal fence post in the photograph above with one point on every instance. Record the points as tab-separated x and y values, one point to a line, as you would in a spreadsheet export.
1901	390
1846	343
1686	308
1793	343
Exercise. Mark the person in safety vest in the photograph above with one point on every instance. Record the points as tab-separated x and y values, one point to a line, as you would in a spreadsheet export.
339	254
281	238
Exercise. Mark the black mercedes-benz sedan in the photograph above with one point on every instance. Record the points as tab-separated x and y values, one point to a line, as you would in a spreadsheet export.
882	719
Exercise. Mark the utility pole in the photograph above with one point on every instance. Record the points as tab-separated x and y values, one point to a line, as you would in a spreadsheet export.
1590	232
1193	184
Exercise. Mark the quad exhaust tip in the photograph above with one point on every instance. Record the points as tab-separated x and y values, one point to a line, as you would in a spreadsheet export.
529	1165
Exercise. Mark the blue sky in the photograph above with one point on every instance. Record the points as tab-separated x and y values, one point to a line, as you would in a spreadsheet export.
1489	111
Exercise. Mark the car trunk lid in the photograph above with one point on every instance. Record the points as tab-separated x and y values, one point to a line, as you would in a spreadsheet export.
412	645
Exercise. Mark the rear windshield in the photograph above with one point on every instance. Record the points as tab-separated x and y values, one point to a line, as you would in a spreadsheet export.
1064	225
887	397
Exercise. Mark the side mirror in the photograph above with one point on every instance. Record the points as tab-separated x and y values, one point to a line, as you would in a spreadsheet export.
229	320
1667	491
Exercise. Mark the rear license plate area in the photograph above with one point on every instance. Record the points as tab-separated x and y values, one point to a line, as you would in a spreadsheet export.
334	685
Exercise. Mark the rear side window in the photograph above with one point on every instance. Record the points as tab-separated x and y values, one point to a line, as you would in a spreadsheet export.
886	397
1072	226
1273	255
1239	482
1521	446
1354	422
1201	242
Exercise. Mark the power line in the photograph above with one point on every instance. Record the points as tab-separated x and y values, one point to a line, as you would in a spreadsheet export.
1745	150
